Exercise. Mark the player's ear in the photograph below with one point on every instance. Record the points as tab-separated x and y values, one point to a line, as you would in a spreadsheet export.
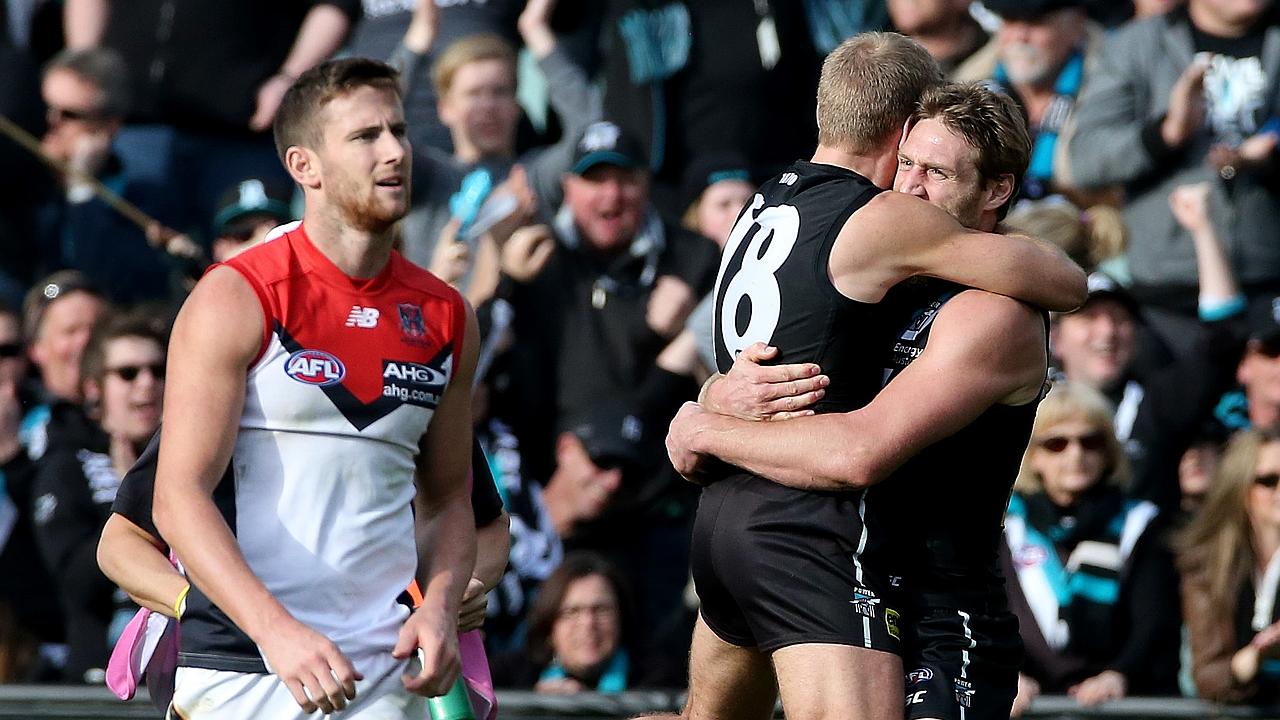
1001	192
303	166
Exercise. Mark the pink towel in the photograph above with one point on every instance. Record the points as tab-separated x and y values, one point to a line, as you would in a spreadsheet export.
147	647
475	670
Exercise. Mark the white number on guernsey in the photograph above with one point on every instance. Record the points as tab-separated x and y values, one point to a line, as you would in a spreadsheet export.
779	226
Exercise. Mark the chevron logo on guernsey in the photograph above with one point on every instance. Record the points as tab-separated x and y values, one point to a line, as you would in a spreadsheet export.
315	367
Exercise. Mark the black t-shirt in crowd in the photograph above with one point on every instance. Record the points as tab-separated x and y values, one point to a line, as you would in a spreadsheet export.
1236	86
198	64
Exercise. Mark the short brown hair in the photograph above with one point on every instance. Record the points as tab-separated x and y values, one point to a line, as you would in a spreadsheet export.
296	121
545	608
990	123
146	322
869	87
474	48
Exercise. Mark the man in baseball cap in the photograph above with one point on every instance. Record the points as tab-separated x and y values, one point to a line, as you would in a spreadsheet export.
604	143
246	213
1095	344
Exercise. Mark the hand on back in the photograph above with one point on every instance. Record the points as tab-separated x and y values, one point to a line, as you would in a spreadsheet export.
751	391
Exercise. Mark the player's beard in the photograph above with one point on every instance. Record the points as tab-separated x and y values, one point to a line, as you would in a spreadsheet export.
360	208
966	209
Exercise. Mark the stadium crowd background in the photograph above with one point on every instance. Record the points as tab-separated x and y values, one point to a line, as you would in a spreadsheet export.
616	141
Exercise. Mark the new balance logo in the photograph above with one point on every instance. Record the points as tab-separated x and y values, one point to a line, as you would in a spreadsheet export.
363	317
788	178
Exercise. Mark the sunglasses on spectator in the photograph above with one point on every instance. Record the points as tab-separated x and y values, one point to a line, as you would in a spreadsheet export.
1058	443
1269	480
129	373
10	350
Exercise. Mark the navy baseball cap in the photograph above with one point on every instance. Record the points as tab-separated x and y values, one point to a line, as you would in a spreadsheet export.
707	170
612	435
604	143
253	196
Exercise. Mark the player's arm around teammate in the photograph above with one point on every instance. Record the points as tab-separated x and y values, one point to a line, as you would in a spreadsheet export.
446	530
897	236
215	338
984	349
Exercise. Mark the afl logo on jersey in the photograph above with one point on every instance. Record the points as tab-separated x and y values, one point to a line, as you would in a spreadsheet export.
315	367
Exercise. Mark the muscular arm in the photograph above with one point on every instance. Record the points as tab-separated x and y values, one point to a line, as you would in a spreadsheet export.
215	338
984	349
896	236
445	526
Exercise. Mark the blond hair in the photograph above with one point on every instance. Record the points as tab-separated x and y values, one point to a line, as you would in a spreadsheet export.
1219	542
473	48
1088	237
1069	401
869	87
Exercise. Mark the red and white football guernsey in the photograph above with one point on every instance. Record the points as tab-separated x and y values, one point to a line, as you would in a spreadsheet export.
320	484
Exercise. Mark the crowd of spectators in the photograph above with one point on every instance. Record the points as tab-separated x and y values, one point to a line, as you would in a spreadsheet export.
577	165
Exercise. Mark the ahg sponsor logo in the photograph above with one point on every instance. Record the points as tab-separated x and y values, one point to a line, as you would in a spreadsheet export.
414	373
315	367
416	383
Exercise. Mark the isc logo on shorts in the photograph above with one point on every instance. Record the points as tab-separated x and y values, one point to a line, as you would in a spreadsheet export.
315	367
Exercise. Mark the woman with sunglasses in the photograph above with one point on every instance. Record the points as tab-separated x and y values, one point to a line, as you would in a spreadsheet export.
1230	561
1089	577
122	371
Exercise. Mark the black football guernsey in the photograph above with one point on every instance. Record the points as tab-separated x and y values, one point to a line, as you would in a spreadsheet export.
775	566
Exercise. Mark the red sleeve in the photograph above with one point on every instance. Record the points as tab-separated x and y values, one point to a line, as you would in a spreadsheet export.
263	299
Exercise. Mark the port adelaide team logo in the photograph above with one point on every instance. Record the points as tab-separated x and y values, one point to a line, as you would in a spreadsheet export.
315	367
